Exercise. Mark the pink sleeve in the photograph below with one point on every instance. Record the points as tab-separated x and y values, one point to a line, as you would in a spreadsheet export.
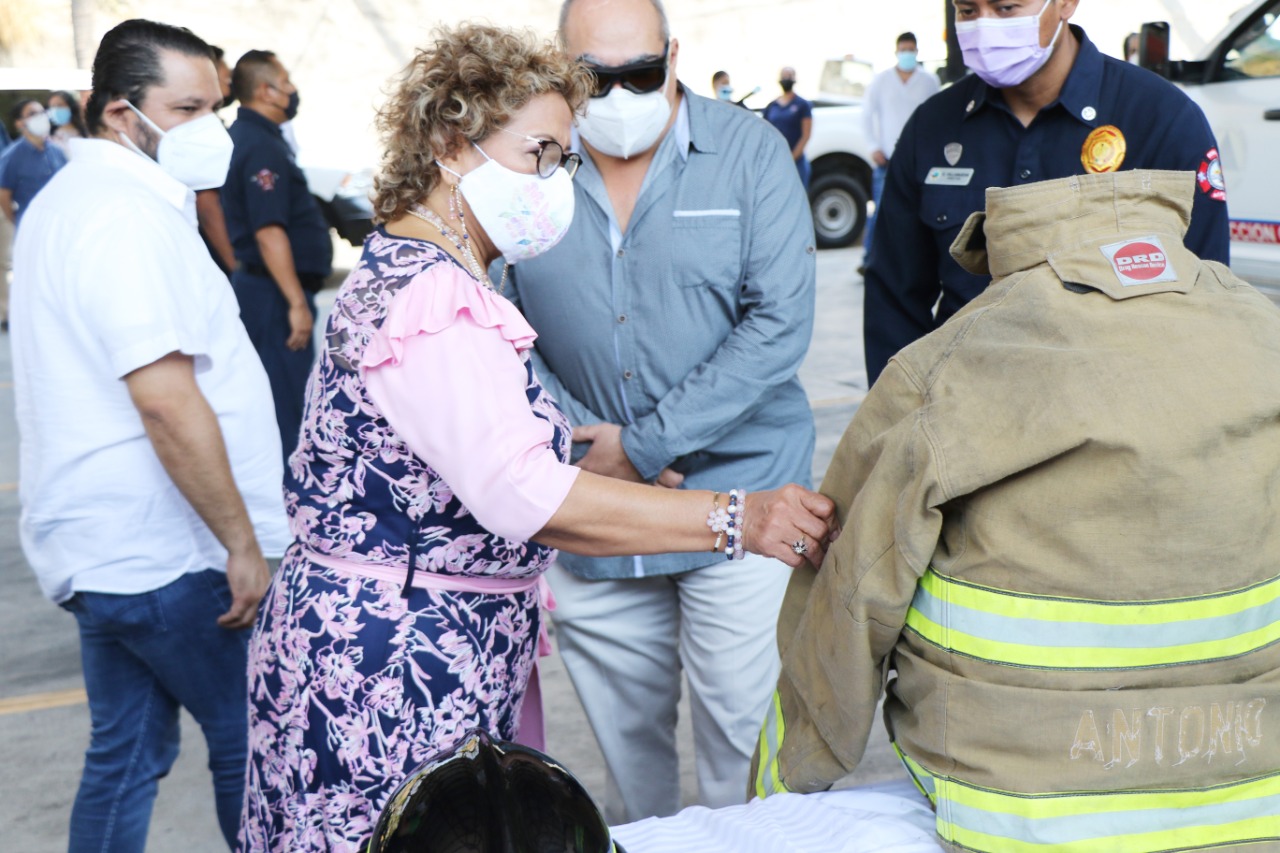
446	372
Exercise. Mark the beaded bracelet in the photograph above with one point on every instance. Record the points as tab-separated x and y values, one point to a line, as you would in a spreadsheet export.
734	532
718	521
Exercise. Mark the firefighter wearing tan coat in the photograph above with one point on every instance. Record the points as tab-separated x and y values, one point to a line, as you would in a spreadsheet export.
1061	545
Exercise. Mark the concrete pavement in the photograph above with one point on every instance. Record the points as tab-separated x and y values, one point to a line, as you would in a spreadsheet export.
44	722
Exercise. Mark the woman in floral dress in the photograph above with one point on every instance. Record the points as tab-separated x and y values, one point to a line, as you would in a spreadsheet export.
430	484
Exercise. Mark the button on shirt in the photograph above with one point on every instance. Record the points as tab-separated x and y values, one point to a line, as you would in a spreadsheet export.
688	328
890	102
266	187
25	169
965	139
99	511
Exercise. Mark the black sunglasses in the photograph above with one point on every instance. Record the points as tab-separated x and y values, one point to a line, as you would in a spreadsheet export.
639	77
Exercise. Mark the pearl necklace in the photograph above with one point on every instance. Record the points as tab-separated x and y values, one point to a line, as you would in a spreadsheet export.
460	241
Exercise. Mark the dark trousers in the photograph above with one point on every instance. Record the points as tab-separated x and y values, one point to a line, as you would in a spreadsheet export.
265	315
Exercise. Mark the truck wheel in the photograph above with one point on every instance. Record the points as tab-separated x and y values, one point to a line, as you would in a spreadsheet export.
839	205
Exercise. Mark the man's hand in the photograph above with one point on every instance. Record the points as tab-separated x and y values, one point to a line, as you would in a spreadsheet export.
606	456
300	322
878	157
248	576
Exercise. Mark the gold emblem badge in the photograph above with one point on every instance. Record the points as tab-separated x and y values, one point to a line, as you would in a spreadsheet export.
1103	150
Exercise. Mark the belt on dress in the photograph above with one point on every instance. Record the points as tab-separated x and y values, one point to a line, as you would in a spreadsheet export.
532	730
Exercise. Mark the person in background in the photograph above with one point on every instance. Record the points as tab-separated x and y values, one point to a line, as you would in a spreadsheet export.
892	98
67	118
1042	103
281	241
30	162
213	224
224	77
1131	44
675	314
792	115
6	242
431	484
149	464
721	86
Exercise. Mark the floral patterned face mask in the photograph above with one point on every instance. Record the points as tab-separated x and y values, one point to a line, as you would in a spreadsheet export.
523	215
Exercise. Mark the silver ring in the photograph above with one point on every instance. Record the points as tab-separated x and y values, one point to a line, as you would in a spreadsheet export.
800	547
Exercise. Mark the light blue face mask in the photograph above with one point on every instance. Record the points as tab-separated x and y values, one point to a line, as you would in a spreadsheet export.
60	115
907	61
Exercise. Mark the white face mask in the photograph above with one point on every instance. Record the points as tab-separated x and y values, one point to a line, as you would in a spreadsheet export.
196	153
523	215
623	123
37	125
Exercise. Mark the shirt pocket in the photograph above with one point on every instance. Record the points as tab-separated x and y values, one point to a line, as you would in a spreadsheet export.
706	248
945	209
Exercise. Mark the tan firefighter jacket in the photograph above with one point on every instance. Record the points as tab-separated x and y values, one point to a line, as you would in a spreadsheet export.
1061	537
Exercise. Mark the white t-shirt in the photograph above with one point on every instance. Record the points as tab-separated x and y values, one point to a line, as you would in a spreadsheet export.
110	275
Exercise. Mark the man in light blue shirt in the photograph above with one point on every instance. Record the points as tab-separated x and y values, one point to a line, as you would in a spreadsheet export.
673	318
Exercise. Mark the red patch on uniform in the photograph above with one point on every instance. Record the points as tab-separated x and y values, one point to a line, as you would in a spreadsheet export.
266	179
1141	261
1209	176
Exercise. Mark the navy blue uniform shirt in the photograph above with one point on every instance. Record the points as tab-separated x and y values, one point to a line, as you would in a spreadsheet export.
965	139
788	117
265	187
25	170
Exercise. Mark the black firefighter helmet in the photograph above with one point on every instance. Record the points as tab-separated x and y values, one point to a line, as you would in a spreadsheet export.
491	796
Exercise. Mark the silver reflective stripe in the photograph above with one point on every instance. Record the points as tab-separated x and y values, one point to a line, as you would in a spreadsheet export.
1091	826
1036	632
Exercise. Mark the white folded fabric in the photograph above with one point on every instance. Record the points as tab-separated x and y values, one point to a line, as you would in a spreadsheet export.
886	818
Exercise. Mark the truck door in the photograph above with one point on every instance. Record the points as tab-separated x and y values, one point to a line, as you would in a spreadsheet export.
1241	98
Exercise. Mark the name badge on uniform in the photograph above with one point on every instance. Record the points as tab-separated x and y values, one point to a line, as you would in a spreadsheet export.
944	177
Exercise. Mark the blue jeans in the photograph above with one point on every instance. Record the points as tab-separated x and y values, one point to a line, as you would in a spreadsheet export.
144	656
878	174
805	171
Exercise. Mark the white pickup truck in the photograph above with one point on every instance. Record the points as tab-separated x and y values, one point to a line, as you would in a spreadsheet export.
840	154
1236	81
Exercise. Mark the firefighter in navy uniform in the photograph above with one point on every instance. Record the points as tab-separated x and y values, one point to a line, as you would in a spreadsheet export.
279	234
1042	103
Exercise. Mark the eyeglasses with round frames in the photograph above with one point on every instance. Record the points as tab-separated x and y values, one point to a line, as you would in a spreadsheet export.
639	77
551	156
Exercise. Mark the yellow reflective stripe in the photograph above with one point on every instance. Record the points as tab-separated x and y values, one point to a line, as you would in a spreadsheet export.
1256	830
768	780
1069	657
1054	609
983	819
1059	633
922	778
1038	806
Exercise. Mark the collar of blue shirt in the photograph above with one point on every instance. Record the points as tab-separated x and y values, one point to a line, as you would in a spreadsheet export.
143	169
1081	91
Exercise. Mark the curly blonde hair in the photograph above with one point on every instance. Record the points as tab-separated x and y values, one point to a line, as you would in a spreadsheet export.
468	83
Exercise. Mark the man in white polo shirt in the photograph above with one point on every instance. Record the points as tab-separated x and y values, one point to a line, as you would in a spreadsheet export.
150	458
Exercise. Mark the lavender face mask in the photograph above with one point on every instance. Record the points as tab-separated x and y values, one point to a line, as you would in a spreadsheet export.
1004	52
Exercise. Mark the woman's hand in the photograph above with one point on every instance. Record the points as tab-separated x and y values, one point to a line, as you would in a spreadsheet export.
775	521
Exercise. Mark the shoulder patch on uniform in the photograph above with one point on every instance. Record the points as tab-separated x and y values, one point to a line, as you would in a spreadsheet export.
1140	261
1209	176
266	179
